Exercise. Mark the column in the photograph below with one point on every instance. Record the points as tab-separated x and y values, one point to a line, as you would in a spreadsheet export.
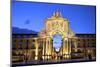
63	46
75	44
67	46
49	43
43	42
36	49
46	48
70	47
51	48
67	49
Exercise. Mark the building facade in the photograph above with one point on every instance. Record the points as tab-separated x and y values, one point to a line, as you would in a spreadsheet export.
33	47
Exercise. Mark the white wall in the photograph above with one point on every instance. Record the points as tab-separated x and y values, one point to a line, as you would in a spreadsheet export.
5	33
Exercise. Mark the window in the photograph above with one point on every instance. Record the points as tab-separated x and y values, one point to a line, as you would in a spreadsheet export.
21	40
78	39
83	40
14	40
33	40
88	39
93	40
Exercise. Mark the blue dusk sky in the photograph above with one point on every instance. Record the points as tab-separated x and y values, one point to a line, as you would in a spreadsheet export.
32	15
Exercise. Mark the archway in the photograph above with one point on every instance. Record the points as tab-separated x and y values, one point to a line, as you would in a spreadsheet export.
57	42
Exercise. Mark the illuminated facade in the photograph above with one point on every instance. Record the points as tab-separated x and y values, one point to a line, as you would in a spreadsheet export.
29	47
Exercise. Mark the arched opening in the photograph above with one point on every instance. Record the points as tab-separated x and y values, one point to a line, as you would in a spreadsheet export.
57	42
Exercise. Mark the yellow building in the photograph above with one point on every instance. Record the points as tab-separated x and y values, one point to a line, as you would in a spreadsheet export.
40	46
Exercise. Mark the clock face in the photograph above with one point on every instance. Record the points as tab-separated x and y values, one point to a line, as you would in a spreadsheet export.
56	26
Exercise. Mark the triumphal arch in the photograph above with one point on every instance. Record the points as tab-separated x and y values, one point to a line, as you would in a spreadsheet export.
53	26
47	45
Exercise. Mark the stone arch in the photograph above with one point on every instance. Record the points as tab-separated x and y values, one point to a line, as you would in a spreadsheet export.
57	41
53	32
